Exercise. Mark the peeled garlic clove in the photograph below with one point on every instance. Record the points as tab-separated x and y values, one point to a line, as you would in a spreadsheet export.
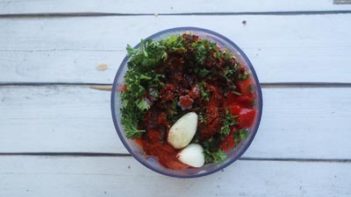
183	131
192	155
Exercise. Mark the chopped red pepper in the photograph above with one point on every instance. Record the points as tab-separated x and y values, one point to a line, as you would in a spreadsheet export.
245	86
246	117
228	143
234	110
185	102
246	100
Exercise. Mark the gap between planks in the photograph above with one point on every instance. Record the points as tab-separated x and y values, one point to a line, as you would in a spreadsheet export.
101	14
92	154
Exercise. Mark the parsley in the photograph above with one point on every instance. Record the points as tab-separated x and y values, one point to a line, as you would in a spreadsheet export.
138	78
148	55
142	104
227	56
218	54
202	117
228	121
129	121
212	153
174	43
201	50
205	95
244	75
215	157
229	73
203	72
240	135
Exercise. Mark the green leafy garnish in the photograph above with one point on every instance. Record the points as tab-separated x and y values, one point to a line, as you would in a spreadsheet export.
203	72
240	135
174	43
138	78
129	121
244	75
212	153
142	104
202	117
201	50
215	157
229	120
205	95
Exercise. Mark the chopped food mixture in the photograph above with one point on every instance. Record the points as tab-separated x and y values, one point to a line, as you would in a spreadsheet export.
186	101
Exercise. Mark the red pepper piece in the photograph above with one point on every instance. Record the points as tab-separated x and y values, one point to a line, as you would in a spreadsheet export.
246	117
228	143
234	109
245	86
246	100
185	102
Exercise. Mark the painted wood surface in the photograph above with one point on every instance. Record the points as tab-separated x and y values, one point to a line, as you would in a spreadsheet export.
292	49
302	147
165	6
296	123
123	176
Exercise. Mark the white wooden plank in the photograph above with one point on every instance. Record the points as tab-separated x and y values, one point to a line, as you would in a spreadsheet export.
296	123
37	176
291	49
56	119
166	6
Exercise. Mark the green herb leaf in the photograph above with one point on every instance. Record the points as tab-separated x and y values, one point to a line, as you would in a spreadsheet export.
240	135
139	77
202	117
201	50
244	75
203	72
142	104
174	43
215	157
205	95
228	121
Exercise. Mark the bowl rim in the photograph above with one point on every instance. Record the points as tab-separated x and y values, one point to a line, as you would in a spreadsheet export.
259	102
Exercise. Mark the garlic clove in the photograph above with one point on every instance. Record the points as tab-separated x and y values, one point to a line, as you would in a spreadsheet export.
192	155
183	130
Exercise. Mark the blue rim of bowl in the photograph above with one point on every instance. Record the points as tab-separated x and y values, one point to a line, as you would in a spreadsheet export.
259	102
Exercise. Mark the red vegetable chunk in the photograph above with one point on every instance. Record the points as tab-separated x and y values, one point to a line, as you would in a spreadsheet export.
246	117
228	142
245	86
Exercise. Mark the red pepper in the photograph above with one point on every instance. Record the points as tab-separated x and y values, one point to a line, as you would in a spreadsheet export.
246	117
154	136
185	102
245	86
230	99
228	143
234	109
246	100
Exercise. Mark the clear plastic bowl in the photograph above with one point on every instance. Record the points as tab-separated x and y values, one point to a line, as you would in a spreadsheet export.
151	162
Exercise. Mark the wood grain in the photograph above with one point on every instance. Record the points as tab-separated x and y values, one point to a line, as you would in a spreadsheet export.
292	49
296	123
38	176
166	6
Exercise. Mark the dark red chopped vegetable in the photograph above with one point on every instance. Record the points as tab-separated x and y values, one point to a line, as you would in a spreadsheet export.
185	102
